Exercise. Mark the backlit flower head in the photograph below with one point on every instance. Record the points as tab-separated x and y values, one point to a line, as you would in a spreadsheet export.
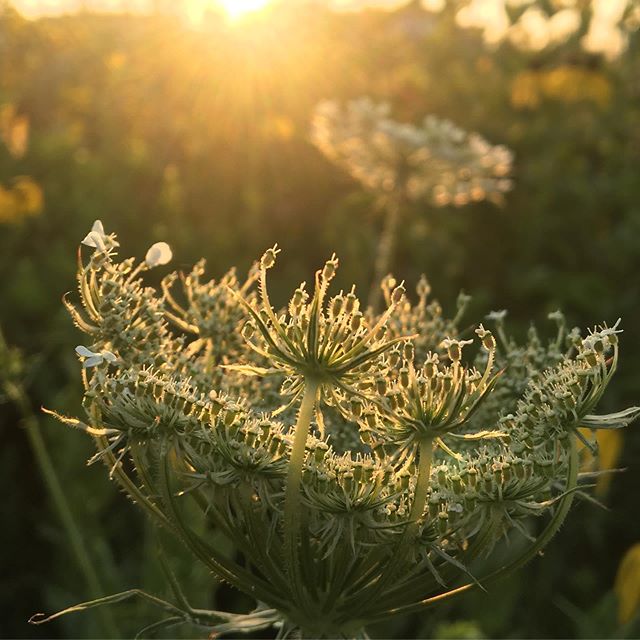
436	160
329	341
436	446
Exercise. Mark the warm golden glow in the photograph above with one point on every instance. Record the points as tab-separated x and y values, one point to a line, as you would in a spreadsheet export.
237	8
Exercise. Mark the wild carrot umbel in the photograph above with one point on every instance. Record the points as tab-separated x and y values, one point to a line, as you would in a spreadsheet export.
360	463
436	163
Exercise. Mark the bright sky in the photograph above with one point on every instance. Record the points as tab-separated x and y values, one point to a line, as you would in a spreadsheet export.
189	8
533	31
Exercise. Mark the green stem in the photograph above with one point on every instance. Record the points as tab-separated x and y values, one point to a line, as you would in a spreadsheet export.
253	530
292	514
550	530
220	565
52	482
386	248
422	486
395	563
556	521
417	587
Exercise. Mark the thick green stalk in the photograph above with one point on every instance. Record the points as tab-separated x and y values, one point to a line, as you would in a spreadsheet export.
292	514
422	485
394	564
52	482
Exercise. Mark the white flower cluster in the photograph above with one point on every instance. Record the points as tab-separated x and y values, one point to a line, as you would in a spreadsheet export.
436	161
355	459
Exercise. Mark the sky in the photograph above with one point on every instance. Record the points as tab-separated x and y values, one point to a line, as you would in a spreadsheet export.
534	30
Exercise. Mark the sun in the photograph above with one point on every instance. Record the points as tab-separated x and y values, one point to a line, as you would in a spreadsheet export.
238	8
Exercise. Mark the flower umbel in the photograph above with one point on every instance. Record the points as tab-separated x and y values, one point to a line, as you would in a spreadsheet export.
329	342
360	463
436	161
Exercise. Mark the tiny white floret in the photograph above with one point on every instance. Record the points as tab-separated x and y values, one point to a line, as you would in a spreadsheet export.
93	358
96	237
158	254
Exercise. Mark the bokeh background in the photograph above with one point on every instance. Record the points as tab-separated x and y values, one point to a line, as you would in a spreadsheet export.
189	122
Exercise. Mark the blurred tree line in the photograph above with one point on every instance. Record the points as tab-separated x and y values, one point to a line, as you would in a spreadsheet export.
200	136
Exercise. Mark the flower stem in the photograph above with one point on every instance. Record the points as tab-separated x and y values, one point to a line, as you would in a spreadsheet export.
422	484
61	504
395	563
385	251
292	515
530	552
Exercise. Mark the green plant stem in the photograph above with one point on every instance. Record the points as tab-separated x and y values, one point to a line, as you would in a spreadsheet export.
425	457
422	486
550	530
292	515
385	251
52	482
556	522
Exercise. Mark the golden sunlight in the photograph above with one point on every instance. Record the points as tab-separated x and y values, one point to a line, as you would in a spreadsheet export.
237	8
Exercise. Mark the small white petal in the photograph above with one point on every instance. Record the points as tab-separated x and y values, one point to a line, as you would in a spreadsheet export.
158	254
98	228
94	239
92	361
89	240
81	350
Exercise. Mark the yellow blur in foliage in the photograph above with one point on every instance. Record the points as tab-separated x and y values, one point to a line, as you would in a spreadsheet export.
566	83
14	130
23	199
627	585
609	448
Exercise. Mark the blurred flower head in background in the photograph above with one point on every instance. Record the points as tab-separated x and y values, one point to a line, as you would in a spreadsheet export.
436	161
606	23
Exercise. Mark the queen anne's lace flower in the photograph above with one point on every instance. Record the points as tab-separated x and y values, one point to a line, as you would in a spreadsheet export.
360	462
436	161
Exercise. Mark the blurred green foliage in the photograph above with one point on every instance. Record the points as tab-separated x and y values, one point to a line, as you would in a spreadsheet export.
199	136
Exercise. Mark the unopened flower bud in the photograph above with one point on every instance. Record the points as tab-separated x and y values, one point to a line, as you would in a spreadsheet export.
248	330
336	306
269	257
423	288
320	451
408	351
398	294
443	522
350	303
329	269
